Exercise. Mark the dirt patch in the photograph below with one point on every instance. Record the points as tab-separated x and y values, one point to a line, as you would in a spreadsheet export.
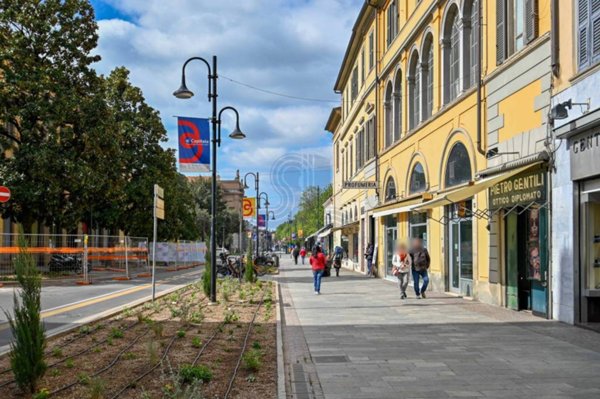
143	352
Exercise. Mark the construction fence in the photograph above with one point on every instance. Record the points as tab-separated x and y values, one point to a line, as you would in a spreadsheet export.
86	258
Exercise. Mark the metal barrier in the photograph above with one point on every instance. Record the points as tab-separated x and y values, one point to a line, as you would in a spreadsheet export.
173	256
80	257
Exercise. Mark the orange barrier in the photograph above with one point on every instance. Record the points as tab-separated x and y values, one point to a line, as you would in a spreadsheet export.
69	251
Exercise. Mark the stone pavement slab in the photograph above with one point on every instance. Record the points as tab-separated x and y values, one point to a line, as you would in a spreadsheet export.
359	340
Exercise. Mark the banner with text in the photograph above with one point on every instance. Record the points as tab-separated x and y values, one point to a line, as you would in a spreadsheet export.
194	144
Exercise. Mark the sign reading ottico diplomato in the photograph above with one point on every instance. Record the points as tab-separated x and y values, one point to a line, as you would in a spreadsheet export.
524	188
194	148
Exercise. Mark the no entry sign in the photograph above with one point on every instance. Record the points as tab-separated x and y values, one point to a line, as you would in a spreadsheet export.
4	194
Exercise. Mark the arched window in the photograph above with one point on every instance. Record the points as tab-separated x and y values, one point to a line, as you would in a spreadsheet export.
389	122
414	89
471	43
398	106
458	168
451	50
390	190
427	80
418	182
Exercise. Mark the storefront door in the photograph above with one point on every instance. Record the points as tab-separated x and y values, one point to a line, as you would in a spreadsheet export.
526	260
391	237
460	236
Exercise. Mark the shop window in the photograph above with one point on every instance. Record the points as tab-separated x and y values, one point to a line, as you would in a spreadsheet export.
390	190
417	224
418	182
458	168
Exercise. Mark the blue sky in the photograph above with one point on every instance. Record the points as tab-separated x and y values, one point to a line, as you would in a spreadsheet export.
293	47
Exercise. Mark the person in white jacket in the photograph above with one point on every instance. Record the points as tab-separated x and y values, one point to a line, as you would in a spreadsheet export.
402	264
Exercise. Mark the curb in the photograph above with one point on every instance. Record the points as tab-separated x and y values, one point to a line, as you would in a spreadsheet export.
281	394
100	316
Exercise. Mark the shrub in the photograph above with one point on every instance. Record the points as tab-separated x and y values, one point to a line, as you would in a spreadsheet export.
189	374
42	394
252	360
249	275
69	364
27	349
57	352
206	275
116	333
97	388
231	317
180	333
196	342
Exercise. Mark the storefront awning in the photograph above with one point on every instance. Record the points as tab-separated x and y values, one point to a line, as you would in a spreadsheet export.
325	233
466	192
399	207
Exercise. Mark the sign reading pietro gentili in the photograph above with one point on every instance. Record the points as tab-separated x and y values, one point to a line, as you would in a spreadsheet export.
524	188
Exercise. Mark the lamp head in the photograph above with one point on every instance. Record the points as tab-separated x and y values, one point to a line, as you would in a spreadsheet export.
560	111
237	134
183	92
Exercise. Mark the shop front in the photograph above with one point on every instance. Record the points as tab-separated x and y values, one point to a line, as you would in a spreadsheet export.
521	209
583	149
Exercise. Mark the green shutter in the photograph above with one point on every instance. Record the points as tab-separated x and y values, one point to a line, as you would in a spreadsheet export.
500	31
531	20
583	37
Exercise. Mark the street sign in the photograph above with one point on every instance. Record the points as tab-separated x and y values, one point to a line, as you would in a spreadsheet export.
361	185
4	194
159	213
159	203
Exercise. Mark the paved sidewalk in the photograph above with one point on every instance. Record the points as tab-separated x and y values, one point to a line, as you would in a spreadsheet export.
359	340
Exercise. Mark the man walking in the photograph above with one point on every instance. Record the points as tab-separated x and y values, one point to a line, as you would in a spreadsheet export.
420	264
369	258
295	254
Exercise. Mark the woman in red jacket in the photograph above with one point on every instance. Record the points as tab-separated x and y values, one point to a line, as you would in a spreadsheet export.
317	263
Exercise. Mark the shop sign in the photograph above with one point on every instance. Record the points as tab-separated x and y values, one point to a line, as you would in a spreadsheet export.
585	154
522	189
361	185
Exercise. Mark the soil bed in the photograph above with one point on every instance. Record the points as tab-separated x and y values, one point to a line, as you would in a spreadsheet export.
145	351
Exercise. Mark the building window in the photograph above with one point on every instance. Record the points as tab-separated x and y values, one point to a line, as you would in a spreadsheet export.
418	182
360	145
458	168
471	43
362	67
370	139
389	120
392	22
413	91
451	52
588	32
397	106
427	81
337	156
390	190
371	50
354	91
516	26
351	156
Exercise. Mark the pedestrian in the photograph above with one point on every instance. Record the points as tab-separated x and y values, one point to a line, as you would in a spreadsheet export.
369	258
295	254
317	263
338	254
303	254
402	263
420	264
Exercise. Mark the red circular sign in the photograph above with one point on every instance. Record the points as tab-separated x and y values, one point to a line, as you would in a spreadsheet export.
4	194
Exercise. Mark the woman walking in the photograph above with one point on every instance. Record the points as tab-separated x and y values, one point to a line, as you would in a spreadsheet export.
303	254
402	263
317	263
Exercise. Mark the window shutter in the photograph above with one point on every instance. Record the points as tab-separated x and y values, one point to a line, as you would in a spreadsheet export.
595	30
500	31
531	20
583	39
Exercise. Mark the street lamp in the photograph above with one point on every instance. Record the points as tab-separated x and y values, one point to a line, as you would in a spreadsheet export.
184	93
256	185
265	196
270	216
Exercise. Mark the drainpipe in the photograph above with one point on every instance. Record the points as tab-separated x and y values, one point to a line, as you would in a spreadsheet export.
554	32
480	145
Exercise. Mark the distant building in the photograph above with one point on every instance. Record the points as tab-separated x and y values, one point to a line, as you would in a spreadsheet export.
233	190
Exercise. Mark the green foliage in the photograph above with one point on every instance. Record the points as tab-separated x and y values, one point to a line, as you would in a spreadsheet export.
252	360
97	388
231	316
180	333
189	374
206	274
27	349
42	394
69	364
309	217
116	333
196	342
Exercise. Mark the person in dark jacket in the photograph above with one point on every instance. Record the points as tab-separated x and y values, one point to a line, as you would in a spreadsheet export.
420	264
369	258
295	254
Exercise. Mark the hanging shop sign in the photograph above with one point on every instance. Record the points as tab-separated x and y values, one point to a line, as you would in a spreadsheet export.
585	154
360	185
522	189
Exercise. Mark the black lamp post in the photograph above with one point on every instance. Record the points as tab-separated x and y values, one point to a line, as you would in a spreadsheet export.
184	93
270	216
256	184
265	196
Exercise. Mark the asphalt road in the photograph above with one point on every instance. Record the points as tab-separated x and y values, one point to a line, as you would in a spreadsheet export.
64	306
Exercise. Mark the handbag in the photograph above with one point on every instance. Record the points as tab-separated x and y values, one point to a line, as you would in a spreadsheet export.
395	271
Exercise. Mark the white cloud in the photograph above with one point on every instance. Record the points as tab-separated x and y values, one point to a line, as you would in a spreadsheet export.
289	46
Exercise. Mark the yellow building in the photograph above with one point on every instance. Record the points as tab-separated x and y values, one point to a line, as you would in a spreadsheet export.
456	123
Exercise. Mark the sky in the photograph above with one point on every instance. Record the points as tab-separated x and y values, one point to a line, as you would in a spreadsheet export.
291	47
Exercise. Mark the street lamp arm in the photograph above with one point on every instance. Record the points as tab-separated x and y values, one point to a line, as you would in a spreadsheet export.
237	122
210	76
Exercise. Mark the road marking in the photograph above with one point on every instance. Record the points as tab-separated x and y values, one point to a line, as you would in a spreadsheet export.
102	298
